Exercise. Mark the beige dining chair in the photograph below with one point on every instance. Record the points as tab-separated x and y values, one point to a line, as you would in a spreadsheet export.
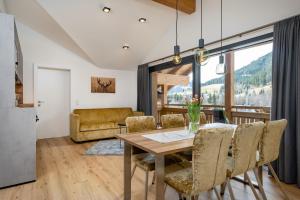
176	121
244	151
203	119
269	151
172	121
208	166
142	159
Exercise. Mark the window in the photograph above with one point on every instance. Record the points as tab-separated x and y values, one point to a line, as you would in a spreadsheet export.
212	85
252	76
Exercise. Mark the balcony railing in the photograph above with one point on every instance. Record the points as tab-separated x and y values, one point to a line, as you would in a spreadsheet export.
238	114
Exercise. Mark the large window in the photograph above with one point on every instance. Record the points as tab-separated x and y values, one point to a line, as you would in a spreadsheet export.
212	85
252	76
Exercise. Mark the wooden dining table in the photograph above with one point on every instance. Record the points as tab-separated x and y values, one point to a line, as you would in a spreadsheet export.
159	150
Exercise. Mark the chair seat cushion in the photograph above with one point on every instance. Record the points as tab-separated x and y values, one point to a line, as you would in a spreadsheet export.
181	180
146	161
93	126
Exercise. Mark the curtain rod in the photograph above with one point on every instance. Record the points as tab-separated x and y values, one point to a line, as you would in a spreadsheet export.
227	38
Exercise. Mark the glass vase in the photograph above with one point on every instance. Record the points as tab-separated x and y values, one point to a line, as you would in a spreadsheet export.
194	127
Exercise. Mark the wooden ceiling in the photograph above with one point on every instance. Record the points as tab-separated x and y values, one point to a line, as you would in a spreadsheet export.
187	6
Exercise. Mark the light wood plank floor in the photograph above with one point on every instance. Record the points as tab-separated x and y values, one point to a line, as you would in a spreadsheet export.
65	173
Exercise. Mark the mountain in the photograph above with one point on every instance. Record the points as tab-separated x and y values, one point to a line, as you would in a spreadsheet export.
257	73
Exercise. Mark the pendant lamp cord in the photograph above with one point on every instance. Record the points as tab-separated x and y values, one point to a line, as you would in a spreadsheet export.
176	22
201	17
221	27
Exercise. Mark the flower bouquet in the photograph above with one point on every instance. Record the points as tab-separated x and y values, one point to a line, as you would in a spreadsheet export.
193	111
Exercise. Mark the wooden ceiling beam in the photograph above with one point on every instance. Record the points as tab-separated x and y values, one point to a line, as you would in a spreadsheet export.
170	79
186	6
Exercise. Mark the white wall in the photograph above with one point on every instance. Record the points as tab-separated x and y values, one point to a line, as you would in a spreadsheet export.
2	6
38	50
238	16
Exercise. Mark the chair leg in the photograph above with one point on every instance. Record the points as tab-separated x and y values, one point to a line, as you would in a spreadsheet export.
180	196
278	181
146	185
153	178
251	186
260	174
230	190
260	186
223	188
217	193
133	170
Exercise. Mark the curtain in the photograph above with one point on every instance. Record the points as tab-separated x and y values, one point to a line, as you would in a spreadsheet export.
143	89
286	96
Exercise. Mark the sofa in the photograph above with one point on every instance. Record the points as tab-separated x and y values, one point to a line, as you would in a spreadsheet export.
99	123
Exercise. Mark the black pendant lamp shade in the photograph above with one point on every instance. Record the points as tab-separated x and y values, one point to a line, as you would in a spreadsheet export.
176	58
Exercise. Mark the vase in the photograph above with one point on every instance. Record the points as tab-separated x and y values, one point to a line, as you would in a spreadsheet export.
194	127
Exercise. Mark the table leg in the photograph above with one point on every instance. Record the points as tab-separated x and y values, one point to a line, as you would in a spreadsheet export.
160	175
120	139
127	171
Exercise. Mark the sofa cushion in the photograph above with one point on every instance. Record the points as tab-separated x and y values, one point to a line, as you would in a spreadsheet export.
93	126
103	115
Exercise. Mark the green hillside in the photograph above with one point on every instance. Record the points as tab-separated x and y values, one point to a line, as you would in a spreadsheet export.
257	73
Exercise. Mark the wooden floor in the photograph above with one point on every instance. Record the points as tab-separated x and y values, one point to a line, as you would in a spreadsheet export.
65	173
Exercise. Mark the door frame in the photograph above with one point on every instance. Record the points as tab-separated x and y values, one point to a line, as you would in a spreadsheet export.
36	67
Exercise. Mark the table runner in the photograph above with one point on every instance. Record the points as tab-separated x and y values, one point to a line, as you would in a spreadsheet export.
173	136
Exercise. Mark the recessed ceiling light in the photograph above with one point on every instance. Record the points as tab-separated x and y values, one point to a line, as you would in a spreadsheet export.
125	47
106	9
142	20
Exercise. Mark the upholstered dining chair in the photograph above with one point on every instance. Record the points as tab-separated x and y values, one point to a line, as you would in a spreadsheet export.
269	150
203	119
143	160
172	121
244	150
219	116
208	167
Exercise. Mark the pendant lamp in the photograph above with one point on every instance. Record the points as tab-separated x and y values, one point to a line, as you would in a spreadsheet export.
177	58
221	67
201	54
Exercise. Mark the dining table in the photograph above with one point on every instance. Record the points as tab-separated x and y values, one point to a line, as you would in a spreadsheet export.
159	149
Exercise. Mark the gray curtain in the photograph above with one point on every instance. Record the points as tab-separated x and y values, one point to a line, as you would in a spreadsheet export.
286	96
143	89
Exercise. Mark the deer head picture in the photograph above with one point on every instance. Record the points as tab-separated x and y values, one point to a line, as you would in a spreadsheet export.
103	85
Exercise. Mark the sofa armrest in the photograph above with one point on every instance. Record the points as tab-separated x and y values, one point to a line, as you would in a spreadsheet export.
137	113
74	125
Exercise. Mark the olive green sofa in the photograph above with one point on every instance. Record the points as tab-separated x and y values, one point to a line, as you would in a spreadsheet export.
98	123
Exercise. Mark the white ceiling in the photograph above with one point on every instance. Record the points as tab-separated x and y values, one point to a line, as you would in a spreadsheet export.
81	26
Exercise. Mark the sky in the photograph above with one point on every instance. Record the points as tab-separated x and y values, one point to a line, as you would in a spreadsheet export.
242	58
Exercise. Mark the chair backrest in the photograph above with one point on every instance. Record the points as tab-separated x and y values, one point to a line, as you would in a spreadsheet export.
219	116
244	147
209	158
270	142
140	124
172	121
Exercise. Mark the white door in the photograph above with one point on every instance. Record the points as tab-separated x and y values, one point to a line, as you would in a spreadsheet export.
53	101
